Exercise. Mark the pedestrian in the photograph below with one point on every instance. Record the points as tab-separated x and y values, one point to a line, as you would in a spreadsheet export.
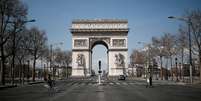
51	84
49	81
147	80
150	81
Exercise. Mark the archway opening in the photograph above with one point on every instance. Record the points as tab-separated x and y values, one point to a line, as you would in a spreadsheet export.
99	52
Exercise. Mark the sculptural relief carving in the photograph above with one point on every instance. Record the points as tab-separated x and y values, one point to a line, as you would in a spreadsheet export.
80	60
80	43
119	60
118	42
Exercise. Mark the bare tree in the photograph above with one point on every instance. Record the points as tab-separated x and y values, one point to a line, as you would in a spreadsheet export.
61	59
195	21
67	61
168	41
22	54
164	47
181	45
137	57
159	50
37	43
10	11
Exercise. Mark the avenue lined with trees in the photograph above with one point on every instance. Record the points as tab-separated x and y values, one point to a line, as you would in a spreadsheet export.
171	50
34	65
22	48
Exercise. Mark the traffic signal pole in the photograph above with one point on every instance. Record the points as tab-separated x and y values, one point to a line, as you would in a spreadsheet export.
99	73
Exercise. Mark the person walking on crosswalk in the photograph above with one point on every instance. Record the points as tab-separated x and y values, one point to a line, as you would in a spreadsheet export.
149	80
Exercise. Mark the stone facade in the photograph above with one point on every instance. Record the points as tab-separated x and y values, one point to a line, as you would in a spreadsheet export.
88	33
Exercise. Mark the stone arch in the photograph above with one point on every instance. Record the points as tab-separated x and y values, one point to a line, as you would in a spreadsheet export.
111	33
101	41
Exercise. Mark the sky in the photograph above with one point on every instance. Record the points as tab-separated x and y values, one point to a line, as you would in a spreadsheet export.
146	18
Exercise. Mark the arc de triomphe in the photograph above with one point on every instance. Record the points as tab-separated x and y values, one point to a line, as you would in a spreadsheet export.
111	33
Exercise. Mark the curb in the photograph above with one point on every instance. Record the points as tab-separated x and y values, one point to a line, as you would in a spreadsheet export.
13	86
31	83
8	86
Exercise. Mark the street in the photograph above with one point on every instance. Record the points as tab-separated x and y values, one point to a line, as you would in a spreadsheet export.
109	90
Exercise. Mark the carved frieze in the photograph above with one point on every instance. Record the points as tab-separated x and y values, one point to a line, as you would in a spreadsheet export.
100	26
118	42
80	43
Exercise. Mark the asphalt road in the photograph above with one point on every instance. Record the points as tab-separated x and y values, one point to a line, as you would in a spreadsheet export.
110	90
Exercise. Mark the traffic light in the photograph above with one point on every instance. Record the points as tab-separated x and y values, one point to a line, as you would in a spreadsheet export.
99	63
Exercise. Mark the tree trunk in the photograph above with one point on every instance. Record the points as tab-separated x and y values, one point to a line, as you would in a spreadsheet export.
2	65
171	68
166	74
12	74
33	72
23	73
161	67
44	72
200	63
13	53
20	71
67	72
182	64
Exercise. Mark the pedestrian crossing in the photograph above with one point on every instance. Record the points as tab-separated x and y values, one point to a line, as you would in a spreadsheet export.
113	83
62	86
110	83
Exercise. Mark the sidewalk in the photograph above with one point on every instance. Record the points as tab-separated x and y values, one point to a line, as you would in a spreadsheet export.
20	85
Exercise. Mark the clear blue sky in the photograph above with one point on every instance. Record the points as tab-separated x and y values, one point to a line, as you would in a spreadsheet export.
146	18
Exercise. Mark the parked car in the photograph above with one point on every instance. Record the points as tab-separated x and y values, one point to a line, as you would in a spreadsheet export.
122	77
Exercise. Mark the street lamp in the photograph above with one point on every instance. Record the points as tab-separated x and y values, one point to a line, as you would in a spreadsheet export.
32	20
22	22
51	54
188	21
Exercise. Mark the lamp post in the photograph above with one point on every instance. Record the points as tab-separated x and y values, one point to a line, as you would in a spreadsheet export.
51	54
188	21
